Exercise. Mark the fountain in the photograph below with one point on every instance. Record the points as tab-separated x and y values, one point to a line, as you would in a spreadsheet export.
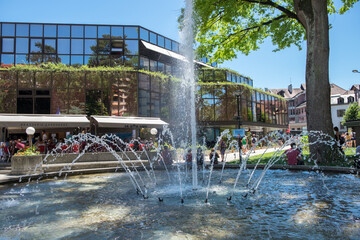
148	199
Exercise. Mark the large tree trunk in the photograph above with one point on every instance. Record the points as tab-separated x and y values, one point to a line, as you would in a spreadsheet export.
313	15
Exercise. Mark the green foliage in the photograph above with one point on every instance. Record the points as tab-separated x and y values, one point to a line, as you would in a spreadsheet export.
227	27
28	151
352	113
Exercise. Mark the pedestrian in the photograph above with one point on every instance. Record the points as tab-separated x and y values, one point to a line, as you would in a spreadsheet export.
214	156
166	156
244	145
222	145
339	139
188	159
199	158
294	155
253	142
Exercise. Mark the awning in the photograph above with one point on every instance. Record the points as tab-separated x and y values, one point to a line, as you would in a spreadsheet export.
127	122
168	53
49	121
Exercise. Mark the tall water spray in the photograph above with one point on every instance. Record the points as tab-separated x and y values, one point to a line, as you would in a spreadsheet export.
187	40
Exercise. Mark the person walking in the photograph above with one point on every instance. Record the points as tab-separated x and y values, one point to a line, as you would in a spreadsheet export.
222	145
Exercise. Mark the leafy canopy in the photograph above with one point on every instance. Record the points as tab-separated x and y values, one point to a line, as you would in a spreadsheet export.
225	27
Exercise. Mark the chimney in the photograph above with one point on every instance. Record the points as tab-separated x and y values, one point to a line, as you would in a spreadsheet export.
290	88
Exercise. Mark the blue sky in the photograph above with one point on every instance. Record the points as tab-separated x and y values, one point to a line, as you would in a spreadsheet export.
266	68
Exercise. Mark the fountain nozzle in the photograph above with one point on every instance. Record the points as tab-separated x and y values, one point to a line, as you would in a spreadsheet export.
161	199
229	198
145	197
182	200
206	200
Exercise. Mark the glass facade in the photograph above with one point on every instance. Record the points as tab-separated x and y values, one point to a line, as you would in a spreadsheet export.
116	93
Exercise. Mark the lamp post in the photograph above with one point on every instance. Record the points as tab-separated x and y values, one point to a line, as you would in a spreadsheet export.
238	118
30	132
153	132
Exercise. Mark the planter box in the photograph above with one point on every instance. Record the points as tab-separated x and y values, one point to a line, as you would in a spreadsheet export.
26	165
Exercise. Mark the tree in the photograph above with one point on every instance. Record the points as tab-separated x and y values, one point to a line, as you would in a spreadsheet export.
225	27
352	113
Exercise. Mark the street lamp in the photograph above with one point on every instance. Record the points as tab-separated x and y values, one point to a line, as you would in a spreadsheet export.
30	131
238	118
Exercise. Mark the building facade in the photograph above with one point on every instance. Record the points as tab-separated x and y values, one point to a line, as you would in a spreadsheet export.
119	91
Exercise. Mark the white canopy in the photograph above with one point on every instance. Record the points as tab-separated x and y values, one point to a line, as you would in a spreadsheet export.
49	121
128	122
169	53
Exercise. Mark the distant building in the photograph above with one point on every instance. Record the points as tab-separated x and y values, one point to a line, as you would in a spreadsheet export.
340	101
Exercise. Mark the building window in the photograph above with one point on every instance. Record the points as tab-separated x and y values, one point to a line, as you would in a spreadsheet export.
351	99
340	112
340	100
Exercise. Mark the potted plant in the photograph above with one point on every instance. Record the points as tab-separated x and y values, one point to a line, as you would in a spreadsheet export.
26	161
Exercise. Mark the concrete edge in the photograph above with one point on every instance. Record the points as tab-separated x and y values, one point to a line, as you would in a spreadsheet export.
24	178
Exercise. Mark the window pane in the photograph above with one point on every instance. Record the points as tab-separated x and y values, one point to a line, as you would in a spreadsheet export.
77	31
22	45
8	45
63	46
117	32
8	29
175	46
7	59
50	31
117	46
36	30
63	31
75	60
36	45
77	46
104	32
65	59
161	67
90	60
103	60
103	47
131	61
22	30
144	63
35	58
131	47
168	44
116	60
131	32
50	46
90	32
144	34
161	41
153	38
153	65
90	46
49	58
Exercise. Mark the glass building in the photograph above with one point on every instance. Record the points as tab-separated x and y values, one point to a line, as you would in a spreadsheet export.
120	93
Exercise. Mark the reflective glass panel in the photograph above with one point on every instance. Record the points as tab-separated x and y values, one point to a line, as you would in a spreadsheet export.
144	34
131	61
49	30
63	31
90	60
103	47
131	32
117	32
77	60
153	38
8	29
104	32
35	58
77	31
63	46
7	59
161	67
144	63
117	46
49	58
22	30
36	45
90	46
22	45
77	46
161	41
175	46
65	59
131	47
90	32
168	44
49	46
153	65
36	30
103	60
116	60
8	45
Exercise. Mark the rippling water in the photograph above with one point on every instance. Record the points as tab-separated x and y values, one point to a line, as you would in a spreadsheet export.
288	205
